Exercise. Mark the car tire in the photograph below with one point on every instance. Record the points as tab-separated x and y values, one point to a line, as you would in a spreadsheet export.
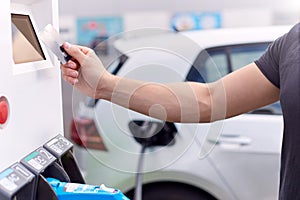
174	191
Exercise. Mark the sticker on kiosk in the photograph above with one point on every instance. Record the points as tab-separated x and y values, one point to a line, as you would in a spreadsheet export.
58	146
38	160
14	178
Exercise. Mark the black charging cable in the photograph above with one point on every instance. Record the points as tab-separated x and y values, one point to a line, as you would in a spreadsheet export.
139	176
149	134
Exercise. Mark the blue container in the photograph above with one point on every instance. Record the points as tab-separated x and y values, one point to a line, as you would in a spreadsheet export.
75	191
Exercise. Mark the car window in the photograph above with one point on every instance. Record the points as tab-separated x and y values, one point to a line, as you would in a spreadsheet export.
213	63
221	68
117	64
209	66
243	55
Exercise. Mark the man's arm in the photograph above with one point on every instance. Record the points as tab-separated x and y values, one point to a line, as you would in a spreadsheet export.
248	89
239	92
188	102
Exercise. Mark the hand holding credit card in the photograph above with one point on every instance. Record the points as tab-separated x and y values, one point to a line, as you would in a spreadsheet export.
53	41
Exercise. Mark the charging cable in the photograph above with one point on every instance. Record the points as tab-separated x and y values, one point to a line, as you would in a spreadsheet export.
139	176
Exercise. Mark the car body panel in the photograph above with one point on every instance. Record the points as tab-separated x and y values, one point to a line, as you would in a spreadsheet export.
248	155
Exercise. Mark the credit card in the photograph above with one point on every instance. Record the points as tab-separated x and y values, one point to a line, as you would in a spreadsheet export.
51	38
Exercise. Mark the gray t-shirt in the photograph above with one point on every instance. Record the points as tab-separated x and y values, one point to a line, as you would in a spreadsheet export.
281	65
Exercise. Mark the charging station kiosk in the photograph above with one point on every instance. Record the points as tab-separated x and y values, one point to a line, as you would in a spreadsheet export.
30	82
33	148
30	88
30	93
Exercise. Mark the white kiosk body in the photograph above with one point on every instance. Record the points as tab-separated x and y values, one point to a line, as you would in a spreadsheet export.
30	84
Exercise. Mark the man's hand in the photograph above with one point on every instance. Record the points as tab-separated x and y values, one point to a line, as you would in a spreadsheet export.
85	70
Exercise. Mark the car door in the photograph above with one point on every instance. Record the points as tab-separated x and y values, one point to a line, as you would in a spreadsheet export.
246	151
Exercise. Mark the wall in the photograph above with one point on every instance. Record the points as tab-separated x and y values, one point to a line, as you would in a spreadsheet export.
137	13
103	7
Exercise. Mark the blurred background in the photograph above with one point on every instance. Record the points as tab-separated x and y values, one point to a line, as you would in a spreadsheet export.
90	22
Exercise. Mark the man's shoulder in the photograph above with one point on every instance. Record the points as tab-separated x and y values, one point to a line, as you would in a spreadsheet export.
296	28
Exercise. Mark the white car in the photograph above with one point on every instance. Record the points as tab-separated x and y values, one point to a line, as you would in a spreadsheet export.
233	159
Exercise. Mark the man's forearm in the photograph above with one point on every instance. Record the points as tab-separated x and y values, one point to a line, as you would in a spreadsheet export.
177	102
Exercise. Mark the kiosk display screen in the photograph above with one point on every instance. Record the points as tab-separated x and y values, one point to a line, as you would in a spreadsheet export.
25	44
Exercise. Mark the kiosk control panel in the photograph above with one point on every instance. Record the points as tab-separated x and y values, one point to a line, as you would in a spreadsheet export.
38	160
58	146
16	182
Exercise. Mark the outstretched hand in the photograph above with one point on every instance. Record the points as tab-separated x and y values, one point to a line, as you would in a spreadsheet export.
85	70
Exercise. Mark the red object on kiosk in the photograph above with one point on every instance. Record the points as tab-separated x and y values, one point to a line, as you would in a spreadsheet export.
3	111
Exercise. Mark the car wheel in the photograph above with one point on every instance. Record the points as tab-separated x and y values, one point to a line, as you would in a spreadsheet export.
174	191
